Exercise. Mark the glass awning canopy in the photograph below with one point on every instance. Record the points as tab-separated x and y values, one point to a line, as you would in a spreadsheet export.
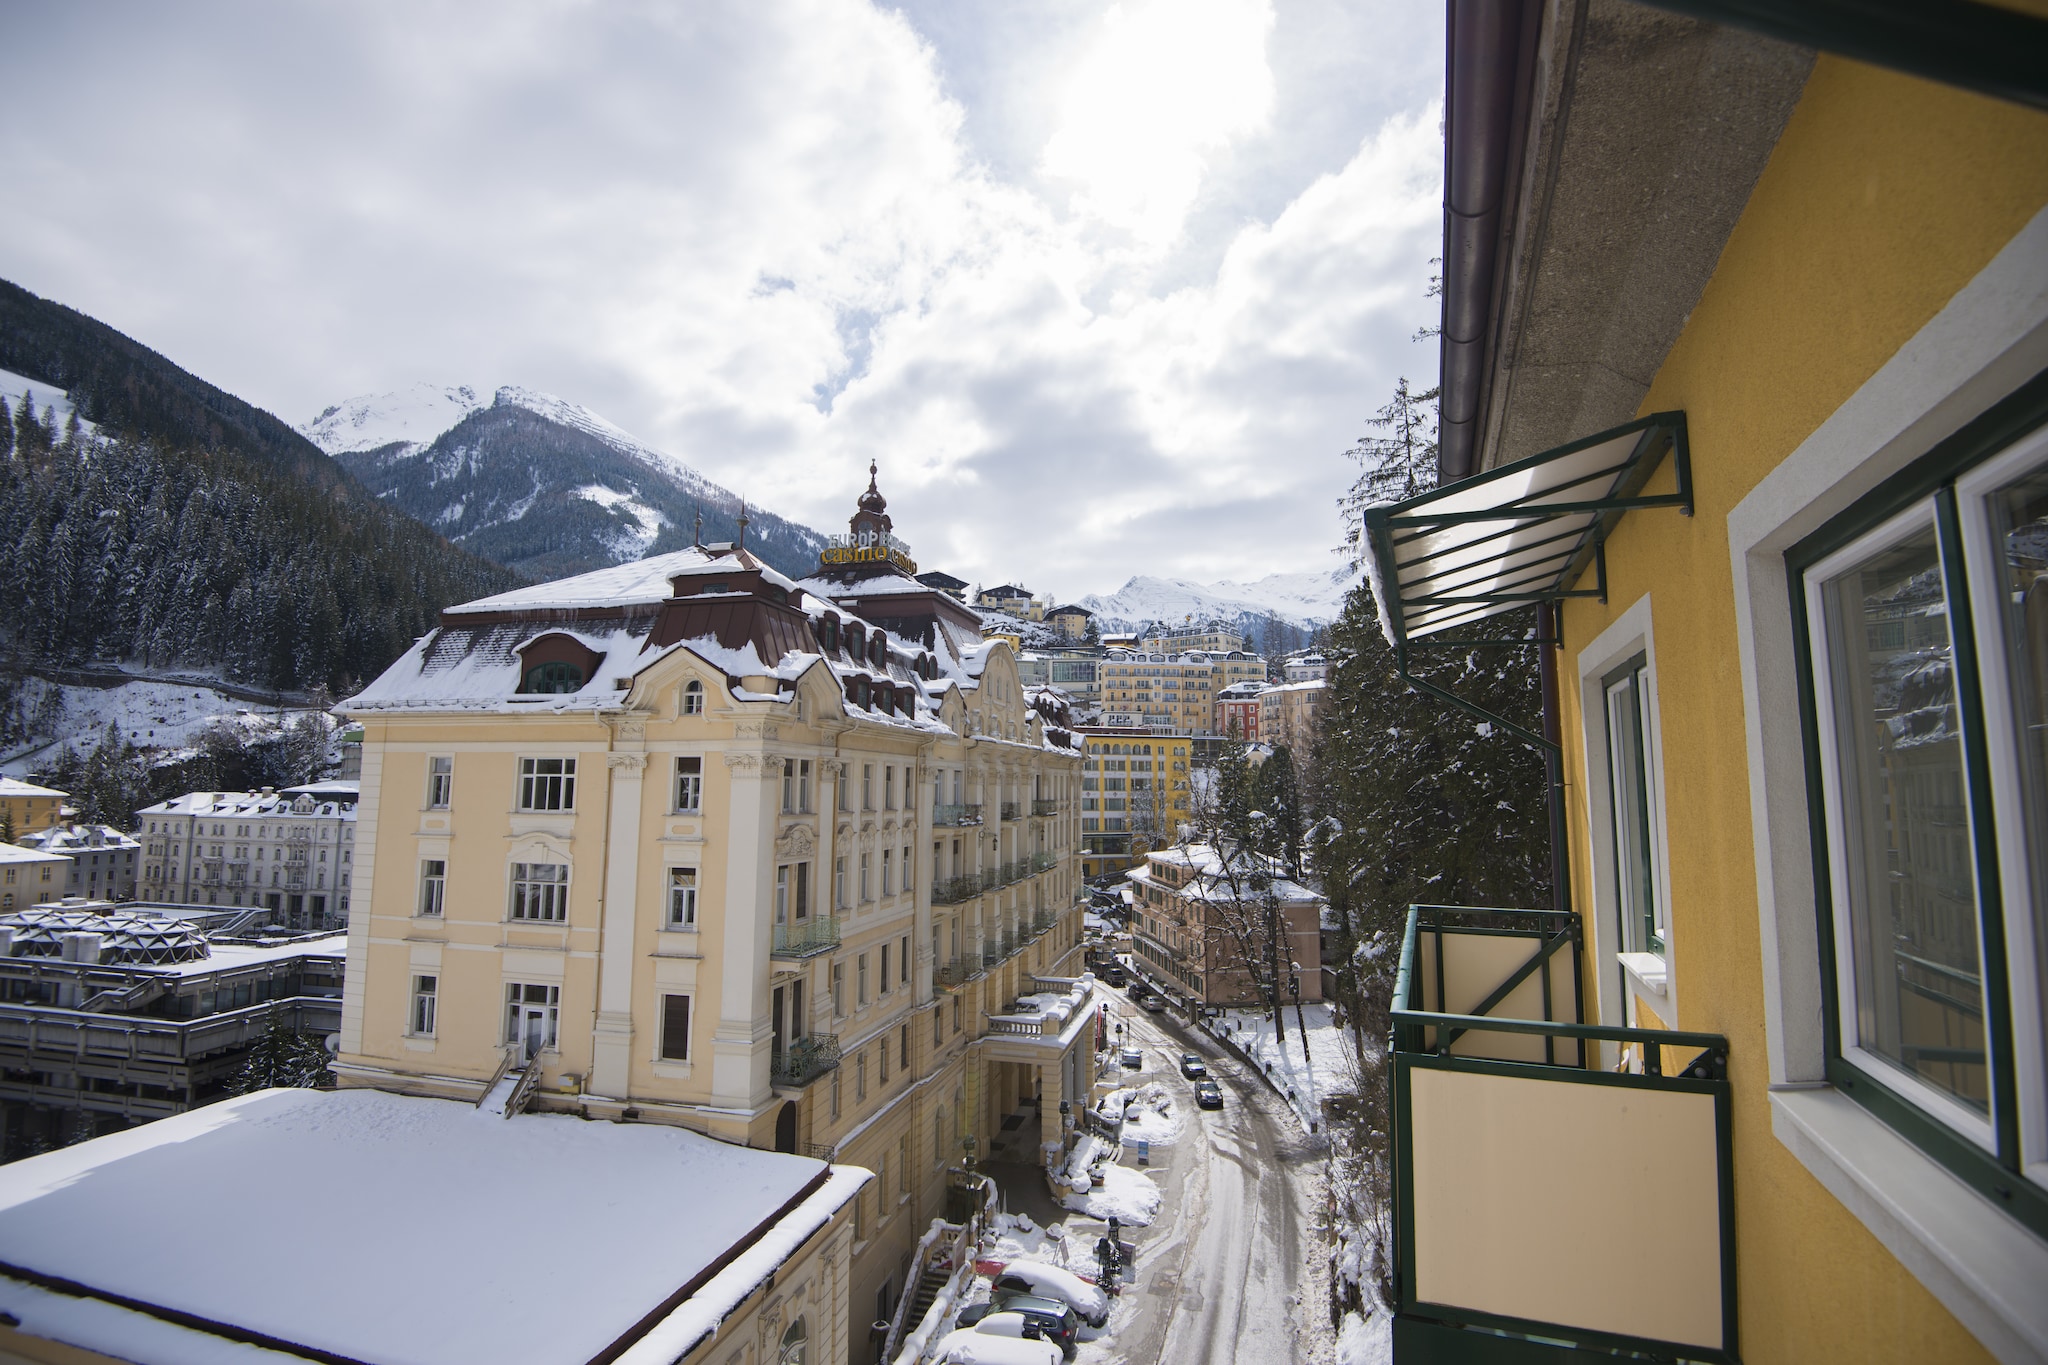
1523	533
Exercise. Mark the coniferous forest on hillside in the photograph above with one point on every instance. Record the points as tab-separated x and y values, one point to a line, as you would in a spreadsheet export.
193	530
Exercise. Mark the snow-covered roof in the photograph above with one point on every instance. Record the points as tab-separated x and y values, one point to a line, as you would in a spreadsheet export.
459	668
622	1215
640	582
17	855
77	838
15	787
1211	882
254	805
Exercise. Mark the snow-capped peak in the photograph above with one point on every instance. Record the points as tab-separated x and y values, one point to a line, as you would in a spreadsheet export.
413	416
1303	599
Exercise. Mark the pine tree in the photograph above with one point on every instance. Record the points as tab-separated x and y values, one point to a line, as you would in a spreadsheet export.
282	1058
1394	466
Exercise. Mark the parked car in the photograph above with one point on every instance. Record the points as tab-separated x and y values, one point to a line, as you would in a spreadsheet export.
1133	1059
1114	975
1051	1282
1208	1095
1193	1067
1153	1004
970	1347
1053	1318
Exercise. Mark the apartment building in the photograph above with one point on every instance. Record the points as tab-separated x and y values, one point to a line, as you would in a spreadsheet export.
1209	639
1175	693
1239	711
687	842
31	875
1202	927
1075	673
103	859
290	851
1136	794
28	807
1780	480
1287	714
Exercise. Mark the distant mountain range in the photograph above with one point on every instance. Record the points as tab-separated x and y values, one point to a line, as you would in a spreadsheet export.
539	484
1300	601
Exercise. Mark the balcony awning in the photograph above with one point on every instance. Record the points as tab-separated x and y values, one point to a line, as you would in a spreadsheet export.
1523	533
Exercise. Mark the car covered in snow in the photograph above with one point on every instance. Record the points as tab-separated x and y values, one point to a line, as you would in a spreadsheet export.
969	1347
1132	1058
1193	1067
1153	1004
1208	1095
1051	1282
1029	1318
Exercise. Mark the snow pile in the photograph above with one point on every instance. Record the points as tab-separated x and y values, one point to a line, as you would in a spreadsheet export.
1148	1113
1366	1341
1305	1083
1124	1194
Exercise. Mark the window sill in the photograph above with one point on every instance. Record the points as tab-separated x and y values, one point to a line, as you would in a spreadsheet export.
670	1069
1649	975
1975	1259
416	1044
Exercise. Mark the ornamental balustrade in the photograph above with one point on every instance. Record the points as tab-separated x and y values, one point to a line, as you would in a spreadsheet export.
956	814
806	937
1045	805
806	1059
1012	810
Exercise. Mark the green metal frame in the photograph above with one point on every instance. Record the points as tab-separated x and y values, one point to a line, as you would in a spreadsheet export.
1998	1176
1986	48
1439	1334
1548	579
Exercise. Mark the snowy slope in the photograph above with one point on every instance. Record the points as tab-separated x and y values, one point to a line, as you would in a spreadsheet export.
44	398
1302	599
413	416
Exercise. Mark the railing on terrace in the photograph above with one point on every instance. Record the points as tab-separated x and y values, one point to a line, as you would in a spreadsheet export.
953	890
1014	871
1042	920
1555	1180
1044	805
806	1059
954	814
958	972
1011	810
806	937
40	1028
1040	862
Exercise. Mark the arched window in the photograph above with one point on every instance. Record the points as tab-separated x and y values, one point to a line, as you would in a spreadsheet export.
796	1344
693	698
553	677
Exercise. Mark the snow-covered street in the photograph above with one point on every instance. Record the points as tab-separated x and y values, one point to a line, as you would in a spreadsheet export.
1229	1267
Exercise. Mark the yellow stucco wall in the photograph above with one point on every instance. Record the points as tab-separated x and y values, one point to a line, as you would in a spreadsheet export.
1884	197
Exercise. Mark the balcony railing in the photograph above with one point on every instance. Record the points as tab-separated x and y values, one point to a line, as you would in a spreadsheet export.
958	972
1040	862
806	1059
1012	810
943	814
1015	871
806	937
1554	1180
953	890
1044	805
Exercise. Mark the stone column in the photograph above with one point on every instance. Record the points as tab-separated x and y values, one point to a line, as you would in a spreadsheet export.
611	1050
740	1045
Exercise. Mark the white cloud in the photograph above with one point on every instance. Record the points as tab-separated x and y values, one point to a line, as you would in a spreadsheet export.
771	239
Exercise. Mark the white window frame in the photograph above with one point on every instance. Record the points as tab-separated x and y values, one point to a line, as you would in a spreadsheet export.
661	1053
686	789
433	899
549	896
544	792
440	780
692	703
515	1012
422	1019
1992	335
680	915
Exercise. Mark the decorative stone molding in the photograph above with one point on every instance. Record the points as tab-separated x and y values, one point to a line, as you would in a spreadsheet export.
796	841
743	762
755	729
628	763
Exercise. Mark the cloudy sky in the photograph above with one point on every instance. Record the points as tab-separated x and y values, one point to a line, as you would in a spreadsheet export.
1106	288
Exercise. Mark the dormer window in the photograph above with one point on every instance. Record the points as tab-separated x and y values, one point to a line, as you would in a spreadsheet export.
693	698
554	676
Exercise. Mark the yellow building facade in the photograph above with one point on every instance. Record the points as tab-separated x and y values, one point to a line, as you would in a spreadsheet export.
27	807
1173	692
1798	664
1136	794
769	881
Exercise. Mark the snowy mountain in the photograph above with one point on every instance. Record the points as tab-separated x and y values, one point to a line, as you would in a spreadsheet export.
537	483
1299	600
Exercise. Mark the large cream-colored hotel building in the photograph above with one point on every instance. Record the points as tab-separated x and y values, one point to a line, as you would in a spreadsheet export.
790	864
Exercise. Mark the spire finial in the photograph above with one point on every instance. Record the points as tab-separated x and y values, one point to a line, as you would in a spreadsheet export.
873	470
743	523
697	532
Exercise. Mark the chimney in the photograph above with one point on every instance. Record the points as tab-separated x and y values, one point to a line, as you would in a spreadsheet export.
81	947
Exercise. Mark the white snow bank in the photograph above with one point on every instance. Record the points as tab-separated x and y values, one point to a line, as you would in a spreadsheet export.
642	1207
1304	1083
1365	1341
968	1346
1125	1194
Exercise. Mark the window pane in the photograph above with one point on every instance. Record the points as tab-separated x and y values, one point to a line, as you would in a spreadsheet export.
675	1027
1905	880
2019	527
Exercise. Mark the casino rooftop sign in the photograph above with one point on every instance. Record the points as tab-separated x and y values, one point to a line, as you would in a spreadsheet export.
868	547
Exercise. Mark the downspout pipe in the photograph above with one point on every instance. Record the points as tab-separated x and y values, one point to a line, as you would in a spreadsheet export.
1485	45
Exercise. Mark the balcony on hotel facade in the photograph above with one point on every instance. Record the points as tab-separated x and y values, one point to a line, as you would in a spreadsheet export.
956	814
1045	805
1562	1191
806	937
804	1060
1012	810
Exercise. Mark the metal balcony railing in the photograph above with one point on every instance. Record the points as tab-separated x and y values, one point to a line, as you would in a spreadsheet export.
806	937
1044	805
1014	871
1491	1063
958	972
1011	810
943	814
953	890
806	1059
1042	861
1043	920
